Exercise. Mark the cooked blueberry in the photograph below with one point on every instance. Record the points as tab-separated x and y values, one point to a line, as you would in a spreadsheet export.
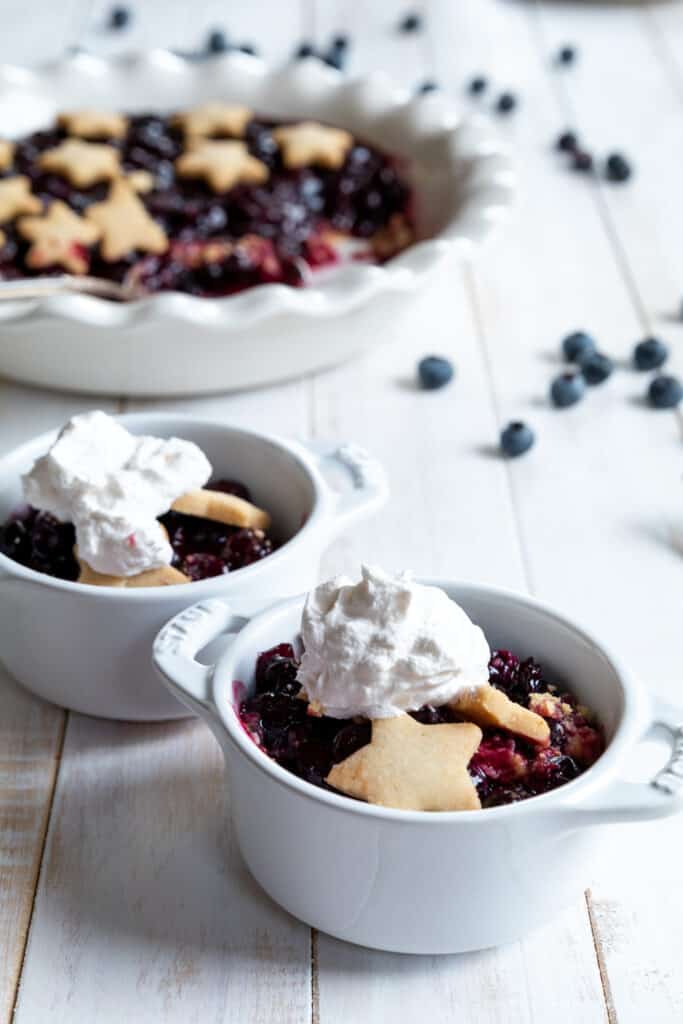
427	86
583	161
119	17
617	168
566	54
650	354
477	85
596	367
567	389
506	103
517	438
577	346
304	50
434	372
567	142
217	41
665	392
411	22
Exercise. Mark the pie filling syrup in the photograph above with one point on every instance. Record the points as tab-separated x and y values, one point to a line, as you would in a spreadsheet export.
201	548
221	243
505	768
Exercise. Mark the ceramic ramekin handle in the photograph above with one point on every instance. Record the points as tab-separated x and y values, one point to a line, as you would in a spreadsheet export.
369	486
661	797
179	641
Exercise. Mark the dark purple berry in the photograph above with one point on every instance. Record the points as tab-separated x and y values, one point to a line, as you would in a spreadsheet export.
427	86
411	22
650	354
516	439
582	160
477	85
217	41
567	142
617	168
119	17
566	55
506	103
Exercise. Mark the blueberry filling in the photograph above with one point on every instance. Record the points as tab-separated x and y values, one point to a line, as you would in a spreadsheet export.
201	548
504	769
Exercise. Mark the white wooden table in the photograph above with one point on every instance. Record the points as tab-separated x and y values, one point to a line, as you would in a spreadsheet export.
122	896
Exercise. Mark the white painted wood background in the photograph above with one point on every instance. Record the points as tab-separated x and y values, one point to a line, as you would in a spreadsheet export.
122	896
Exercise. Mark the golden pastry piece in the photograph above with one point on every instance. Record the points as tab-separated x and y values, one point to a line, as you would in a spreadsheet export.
309	143
214	118
16	198
58	239
6	154
125	224
141	181
489	707
221	164
93	124
412	766
164	576
222	508
82	163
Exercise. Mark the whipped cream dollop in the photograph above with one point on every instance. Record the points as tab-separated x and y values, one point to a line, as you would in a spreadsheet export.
386	645
112	485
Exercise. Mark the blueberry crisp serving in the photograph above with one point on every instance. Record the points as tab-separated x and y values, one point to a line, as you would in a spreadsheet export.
207	201
107	508
396	699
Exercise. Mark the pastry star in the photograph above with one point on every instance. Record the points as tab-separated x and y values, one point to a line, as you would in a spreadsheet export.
6	154
16	198
412	766
214	118
82	163
58	238
125	224
490	707
221	164
93	124
310	143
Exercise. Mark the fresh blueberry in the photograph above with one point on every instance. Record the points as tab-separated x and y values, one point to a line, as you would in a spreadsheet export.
248	48
650	354
506	103
477	85
596	367
304	49
340	42
665	392
434	372
577	345
583	161
411	22
617	168
119	17
567	389
427	86
217	41
567	142
566	55
516	439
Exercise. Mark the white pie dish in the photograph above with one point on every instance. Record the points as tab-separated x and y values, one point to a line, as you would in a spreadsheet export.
174	343
88	648
416	882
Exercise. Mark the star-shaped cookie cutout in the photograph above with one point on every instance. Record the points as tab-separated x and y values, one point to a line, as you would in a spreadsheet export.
221	165
309	143
58	239
82	163
125	224
214	118
93	124
6	154
412	766
16	198
489	707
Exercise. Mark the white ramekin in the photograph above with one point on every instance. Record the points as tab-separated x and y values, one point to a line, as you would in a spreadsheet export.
88	648
415	882
173	343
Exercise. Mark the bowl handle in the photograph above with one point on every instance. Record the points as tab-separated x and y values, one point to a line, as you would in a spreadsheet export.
661	797
179	641
369	486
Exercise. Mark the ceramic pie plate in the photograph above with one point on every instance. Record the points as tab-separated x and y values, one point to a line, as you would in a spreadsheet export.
174	344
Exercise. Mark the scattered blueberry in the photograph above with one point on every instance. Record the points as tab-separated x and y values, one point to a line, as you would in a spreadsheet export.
582	161
217	41
665	392
477	85
506	103
340	42
566	55
248	48
577	345
567	389
517	438
119	17
434	372
650	354
567	142
428	86
617	168
304	50
411	22
596	367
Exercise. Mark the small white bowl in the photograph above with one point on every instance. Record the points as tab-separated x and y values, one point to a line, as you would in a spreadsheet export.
173	343
88	648
416	882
